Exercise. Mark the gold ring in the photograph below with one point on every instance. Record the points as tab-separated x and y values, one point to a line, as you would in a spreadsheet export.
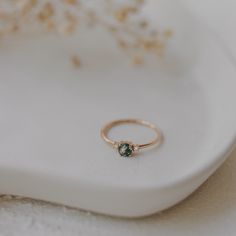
128	148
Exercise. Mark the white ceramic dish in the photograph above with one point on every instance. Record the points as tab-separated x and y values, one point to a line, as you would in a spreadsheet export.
51	117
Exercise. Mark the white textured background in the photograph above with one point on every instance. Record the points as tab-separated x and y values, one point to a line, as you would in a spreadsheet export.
209	211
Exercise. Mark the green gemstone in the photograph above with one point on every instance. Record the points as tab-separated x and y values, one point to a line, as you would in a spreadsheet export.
125	150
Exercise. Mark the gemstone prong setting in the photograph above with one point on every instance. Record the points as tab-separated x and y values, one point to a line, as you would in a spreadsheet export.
126	148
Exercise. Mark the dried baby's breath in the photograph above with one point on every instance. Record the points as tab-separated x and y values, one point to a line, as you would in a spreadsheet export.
71	2
76	61
26	6
50	25
46	12
137	60
168	33
143	24
122	14
122	19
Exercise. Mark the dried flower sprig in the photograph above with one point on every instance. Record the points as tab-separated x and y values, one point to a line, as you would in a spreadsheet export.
122	19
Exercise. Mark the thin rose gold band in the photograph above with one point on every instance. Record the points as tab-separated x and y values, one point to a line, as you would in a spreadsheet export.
105	130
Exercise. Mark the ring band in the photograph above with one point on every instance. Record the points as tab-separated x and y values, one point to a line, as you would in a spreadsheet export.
128	148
